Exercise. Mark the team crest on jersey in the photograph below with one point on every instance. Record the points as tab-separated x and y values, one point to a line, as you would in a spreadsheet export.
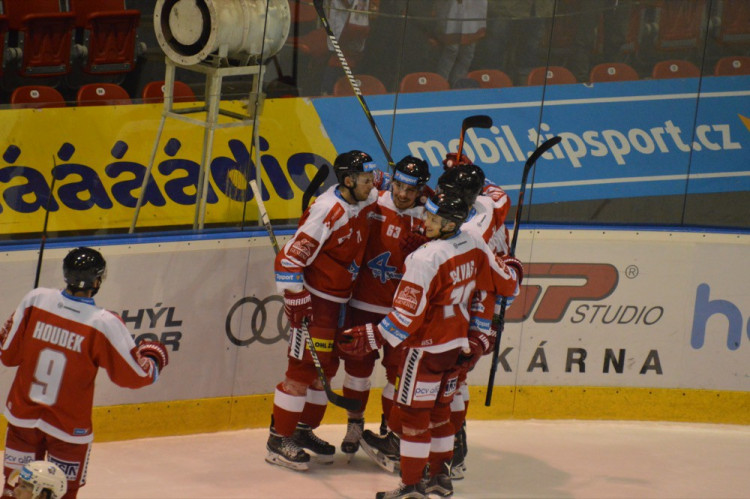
408	297
303	248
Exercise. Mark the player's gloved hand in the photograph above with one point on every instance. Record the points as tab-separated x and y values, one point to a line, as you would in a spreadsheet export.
515	264
156	351
298	307
412	240
469	358
381	180
451	160
360	340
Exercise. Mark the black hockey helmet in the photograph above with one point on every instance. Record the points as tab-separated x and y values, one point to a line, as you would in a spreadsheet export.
82	268
351	163
450	206
466	181
412	171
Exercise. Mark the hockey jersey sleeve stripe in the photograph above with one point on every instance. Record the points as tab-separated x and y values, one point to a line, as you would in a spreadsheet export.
391	333
480	324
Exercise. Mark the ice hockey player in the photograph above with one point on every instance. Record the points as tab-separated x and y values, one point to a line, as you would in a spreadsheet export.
396	230
38	480
489	207
430	321
315	272
59	340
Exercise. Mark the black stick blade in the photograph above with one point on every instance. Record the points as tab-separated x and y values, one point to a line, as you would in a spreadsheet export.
476	121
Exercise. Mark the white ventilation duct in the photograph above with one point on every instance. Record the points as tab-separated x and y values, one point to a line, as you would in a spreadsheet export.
191	31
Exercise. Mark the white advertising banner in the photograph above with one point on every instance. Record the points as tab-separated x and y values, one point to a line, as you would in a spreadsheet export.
597	308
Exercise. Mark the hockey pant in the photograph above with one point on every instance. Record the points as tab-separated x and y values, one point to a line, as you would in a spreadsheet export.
426	385
288	408
23	445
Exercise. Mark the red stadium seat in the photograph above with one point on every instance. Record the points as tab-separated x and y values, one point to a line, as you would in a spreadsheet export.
369	85
675	68
732	66
43	36
679	24
154	92
554	75
491	78
102	94
423	82
733	23
107	35
36	96
612	71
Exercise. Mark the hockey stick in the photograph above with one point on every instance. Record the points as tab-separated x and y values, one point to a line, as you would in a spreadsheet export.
44	228
476	121
499	319
320	176
352	81
352	405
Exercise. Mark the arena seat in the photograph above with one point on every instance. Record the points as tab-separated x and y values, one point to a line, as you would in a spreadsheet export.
423	81
732	66
369	85
106	35
612	71
675	68
153	91
490	78
43	37
554	75
36	96
102	94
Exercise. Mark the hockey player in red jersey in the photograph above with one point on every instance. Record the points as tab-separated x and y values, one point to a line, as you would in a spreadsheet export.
430	320
315	271
395	228
58	340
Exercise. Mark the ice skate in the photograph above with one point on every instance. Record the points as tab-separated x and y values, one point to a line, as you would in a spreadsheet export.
403	491
283	451
441	484
304	437
383	425
350	444
385	451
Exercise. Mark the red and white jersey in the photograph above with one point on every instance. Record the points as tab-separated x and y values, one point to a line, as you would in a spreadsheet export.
431	306
325	253
487	221
383	263
59	342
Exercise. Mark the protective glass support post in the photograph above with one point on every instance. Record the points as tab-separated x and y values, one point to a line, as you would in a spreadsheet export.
211	110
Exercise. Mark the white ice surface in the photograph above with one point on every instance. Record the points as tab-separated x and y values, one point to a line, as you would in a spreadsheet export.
507	459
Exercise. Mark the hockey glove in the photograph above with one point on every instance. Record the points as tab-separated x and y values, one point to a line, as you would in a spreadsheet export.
360	340
515	264
156	351
469	358
298	307
411	241
451	160
426	194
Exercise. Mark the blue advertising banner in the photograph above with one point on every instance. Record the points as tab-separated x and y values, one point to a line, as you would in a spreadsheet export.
619	140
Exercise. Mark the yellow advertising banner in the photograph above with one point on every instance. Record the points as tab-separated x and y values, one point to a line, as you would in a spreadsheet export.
100	156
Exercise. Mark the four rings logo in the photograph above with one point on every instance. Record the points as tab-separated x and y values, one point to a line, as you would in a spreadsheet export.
258	312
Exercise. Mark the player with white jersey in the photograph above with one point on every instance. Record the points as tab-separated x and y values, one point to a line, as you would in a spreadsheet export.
315	271
395	227
486	221
58	340
430	320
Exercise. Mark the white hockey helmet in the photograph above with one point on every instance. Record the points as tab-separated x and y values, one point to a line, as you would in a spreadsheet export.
42	475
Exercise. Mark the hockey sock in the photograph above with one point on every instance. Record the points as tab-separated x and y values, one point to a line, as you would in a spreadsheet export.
441	447
287	410
458	410
415	452
314	408
357	388
394	420
387	400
